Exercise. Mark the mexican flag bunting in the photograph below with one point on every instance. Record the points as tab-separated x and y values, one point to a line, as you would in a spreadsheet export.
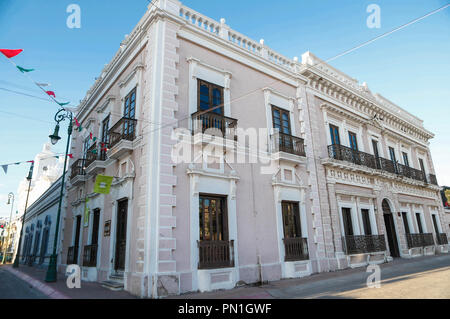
10	53
63	104
23	70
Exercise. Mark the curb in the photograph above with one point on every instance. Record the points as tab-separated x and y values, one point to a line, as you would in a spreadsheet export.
44	288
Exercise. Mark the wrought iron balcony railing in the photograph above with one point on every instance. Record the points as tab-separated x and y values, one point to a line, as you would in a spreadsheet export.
288	144
215	254
361	244
419	240
124	129
72	255
295	249
348	154
95	153
442	239
214	124
78	168
90	256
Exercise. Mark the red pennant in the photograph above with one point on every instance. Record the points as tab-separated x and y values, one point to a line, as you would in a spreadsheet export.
10	53
76	122
70	155
30	161
90	136
51	93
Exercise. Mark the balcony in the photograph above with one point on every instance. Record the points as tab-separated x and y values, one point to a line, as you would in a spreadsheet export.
347	154
288	144
78	172
72	255
215	254
121	137
95	159
90	256
419	240
295	249
442	239
363	244
212	124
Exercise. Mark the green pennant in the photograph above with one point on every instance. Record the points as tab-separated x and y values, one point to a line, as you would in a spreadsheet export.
63	104
23	70
94	139
94	151
80	128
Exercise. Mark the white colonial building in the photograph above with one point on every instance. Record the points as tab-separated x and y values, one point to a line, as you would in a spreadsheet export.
341	177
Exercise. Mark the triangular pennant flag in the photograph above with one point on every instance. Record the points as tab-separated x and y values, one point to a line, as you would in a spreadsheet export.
18	163
23	70
80	128
94	139
62	104
10	53
30	161
70	155
5	169
90	135
42	84
57	156
51	93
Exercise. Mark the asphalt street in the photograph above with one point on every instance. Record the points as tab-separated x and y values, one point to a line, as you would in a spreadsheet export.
12	287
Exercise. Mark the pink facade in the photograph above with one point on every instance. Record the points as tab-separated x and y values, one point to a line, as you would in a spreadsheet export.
259	207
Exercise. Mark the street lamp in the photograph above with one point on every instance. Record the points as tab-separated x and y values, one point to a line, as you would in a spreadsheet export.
60	116
5	247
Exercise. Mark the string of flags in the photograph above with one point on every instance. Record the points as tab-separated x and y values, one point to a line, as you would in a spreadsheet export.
5	166
9	54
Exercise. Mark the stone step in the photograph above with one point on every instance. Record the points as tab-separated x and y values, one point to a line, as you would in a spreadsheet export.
112	285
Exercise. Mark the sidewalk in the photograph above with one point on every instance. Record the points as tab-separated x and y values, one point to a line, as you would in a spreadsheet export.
399	278
344	283
59	290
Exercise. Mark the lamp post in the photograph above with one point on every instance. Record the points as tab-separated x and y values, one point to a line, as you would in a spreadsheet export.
60	116
10	195
29	177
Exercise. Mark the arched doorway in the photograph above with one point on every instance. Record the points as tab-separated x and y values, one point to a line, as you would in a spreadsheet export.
390	229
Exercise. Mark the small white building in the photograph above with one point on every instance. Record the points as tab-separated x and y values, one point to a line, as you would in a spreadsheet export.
40	218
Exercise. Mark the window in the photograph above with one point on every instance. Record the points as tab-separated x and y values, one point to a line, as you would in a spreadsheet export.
347	219
392	154
281	120
208	96
366	222
129	108
405	222
376	153
105	128
213	218
291	220
435	224
86	145
405	159
95	227
419	223
353	141
422	166
334	133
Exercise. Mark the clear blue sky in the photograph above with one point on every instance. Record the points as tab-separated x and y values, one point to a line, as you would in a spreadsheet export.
410	67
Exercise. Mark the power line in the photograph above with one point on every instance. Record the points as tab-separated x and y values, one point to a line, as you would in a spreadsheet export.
315	65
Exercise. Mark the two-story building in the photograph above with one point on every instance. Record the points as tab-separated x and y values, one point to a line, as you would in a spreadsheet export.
223	169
